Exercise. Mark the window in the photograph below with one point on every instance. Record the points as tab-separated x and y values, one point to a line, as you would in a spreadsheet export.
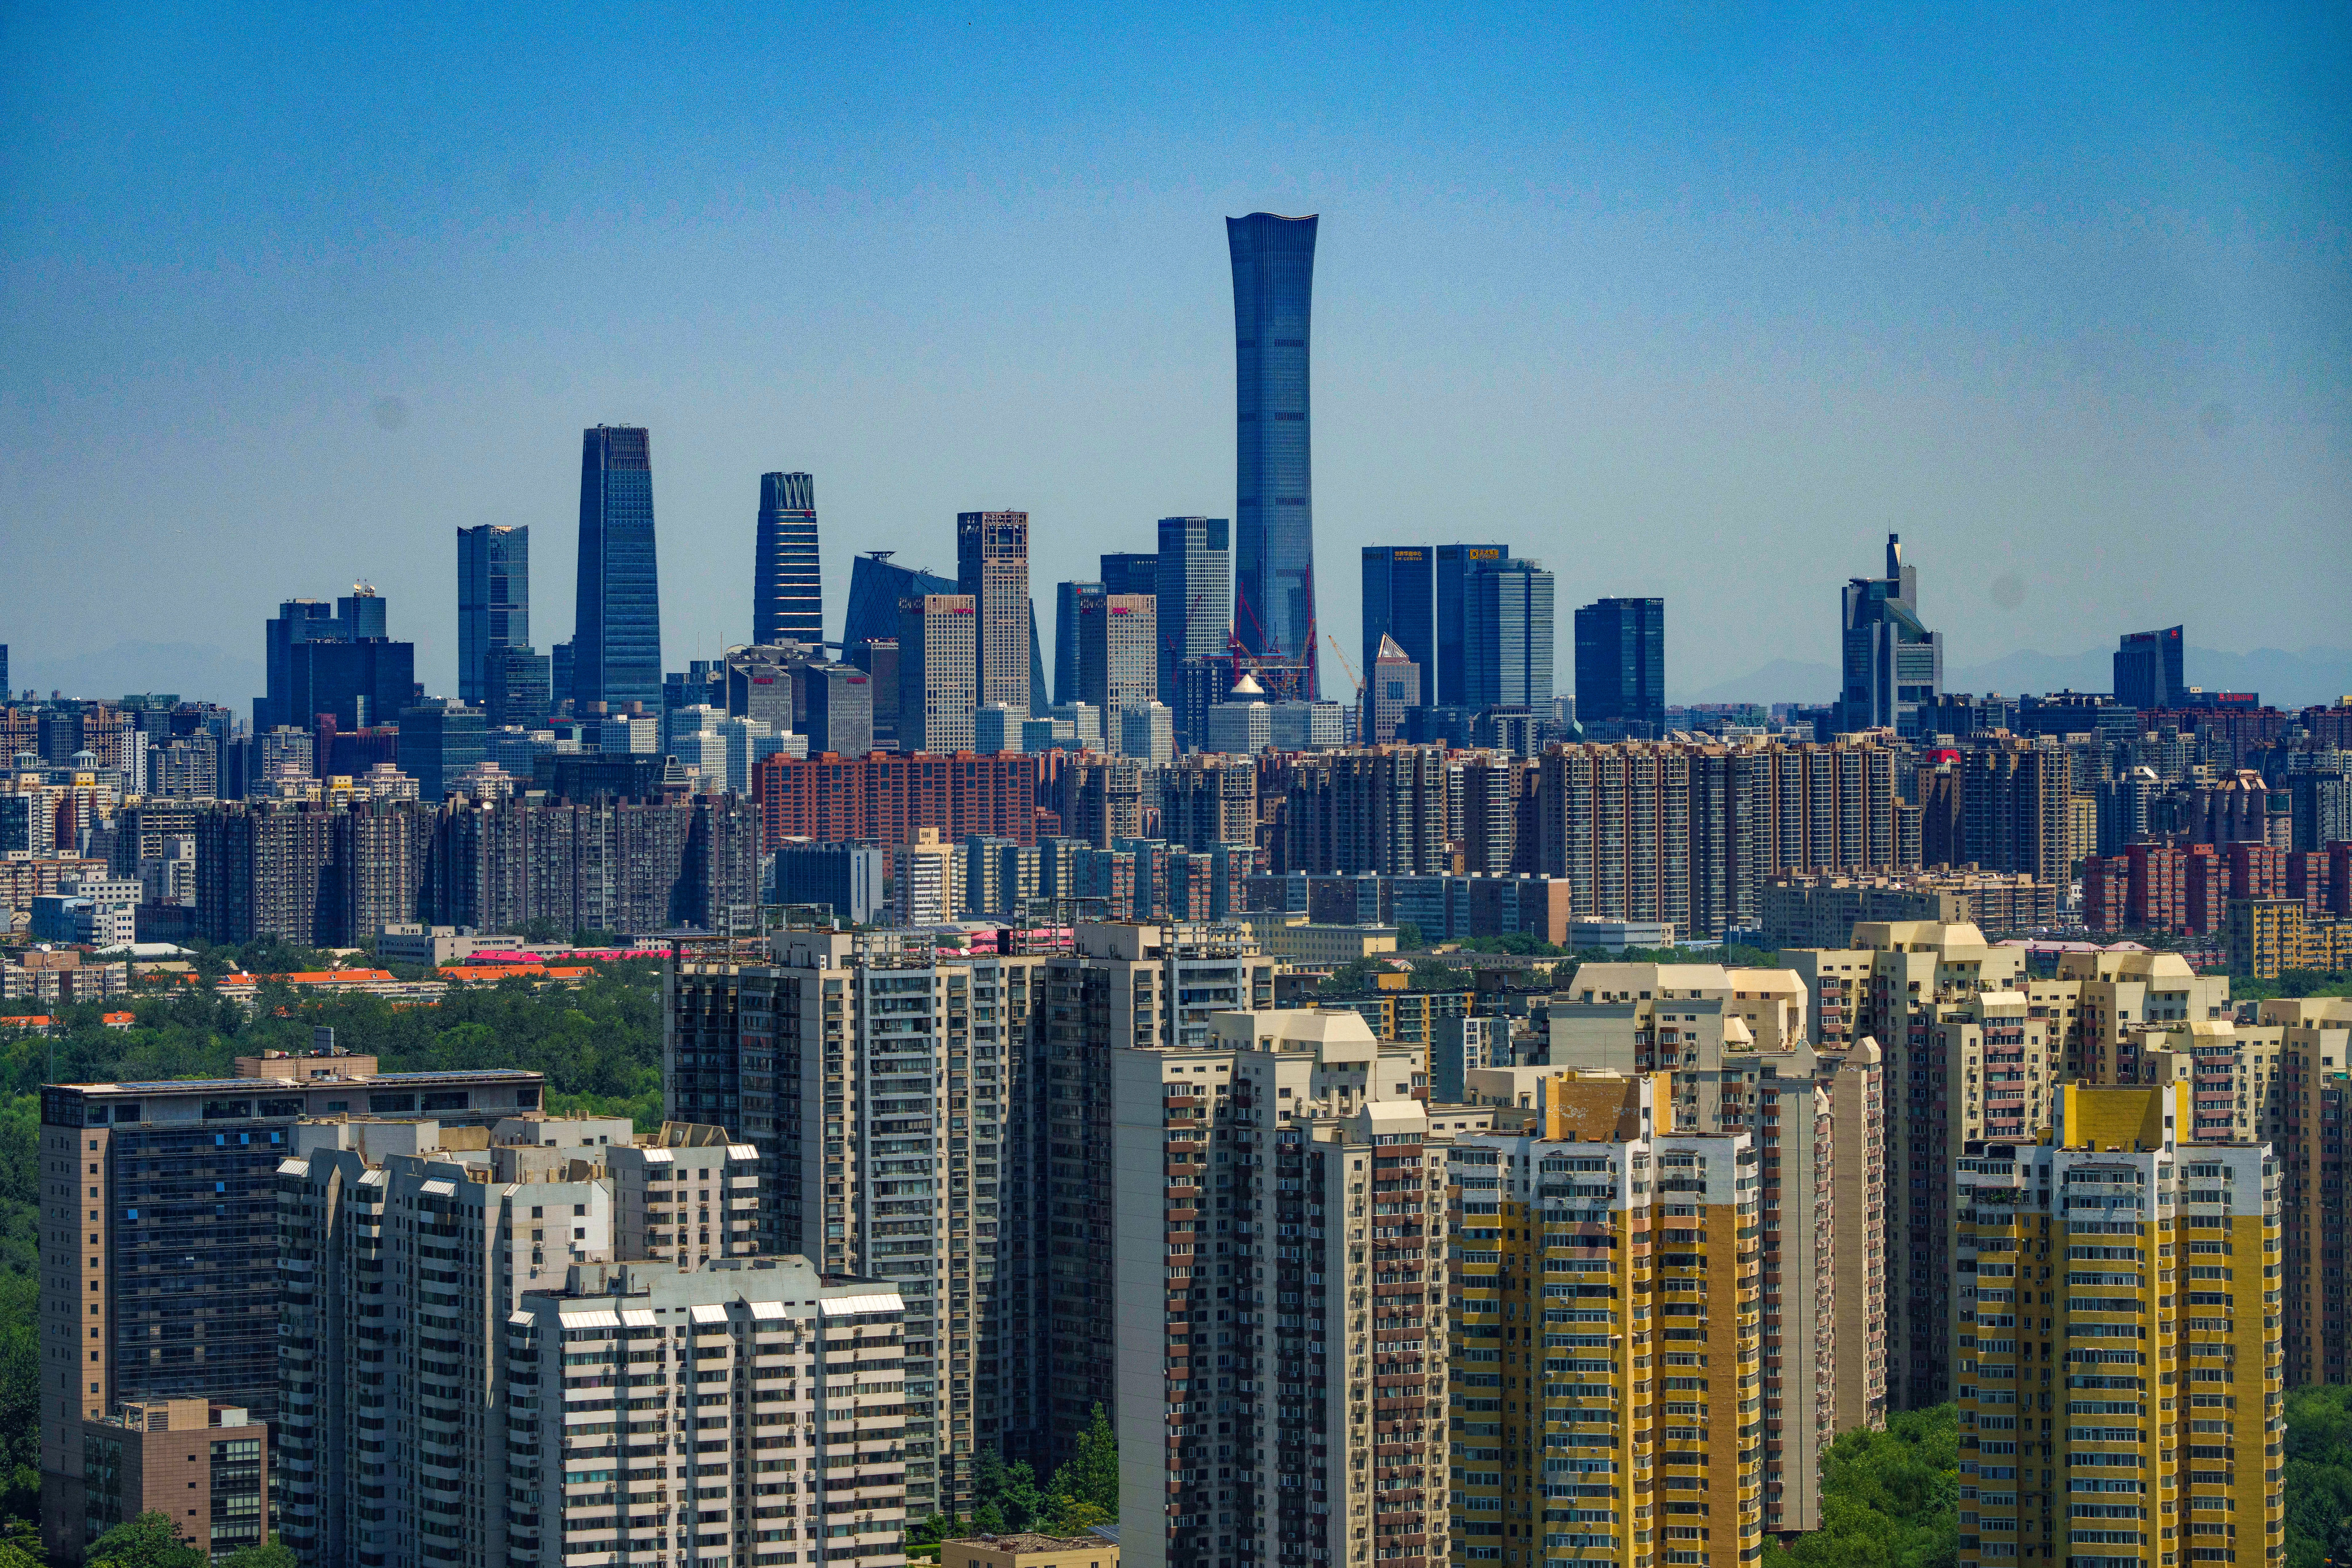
222	1110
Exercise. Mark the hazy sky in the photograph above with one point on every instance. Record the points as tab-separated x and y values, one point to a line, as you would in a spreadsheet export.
1698	306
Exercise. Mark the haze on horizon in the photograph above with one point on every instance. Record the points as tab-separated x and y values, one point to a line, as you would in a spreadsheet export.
1699	305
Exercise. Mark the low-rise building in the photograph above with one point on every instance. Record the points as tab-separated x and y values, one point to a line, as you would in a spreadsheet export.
203	1465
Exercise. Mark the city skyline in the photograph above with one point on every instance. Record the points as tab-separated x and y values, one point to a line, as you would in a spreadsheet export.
1558	319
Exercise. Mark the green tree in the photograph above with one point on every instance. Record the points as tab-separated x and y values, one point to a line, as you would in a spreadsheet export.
1085	1491
147	1542
1409	937
1887	1498
271	1553
2318	1475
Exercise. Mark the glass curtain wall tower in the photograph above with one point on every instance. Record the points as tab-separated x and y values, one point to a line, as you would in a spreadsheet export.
1399	603
1274	286
616	634
1195	589
493	601
787	589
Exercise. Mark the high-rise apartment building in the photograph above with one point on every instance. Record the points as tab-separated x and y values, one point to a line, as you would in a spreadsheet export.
790	1377
1119	643
787	584
2119	1374
1277	1200
398	1235
1274	585
1507	635
1893	666
939	673
1729	1047
1401	605
1608	1281
1620	667
616	620
992	570
1193	586
493	601
1204	801
2147	671
1066	599
159	1277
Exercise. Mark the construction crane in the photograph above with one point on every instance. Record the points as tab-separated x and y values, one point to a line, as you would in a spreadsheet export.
1363	729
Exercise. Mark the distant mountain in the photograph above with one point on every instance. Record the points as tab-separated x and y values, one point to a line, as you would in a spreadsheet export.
197	672
1782	680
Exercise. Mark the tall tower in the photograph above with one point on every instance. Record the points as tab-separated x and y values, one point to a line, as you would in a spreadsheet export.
1195	584
616	622
1893	665
1273	491
992	567
493	601
787	589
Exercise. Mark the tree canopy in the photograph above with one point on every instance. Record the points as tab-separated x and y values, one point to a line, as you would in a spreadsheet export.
1887	1498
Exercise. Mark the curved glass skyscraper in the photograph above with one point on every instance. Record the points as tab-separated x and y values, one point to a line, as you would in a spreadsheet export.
1273	566
787	589
616	622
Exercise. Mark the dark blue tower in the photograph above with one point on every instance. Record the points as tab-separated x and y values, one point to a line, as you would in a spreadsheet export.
787	588
616	629
1273	491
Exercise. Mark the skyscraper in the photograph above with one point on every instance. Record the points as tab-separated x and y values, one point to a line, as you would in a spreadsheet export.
1195	589
616	634
1067	597
993	568
787	589
2147	669
1893	665
1274	286
1621	666
1507	638
875	586
1130	572
938	679
493	601
1444	686
1401	603
1117	635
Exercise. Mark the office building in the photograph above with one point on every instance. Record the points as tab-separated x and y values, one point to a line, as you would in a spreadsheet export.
148	1306
2144	1416
1119	643
1445	681
1507	638
845	882
840	710
1392	690
1274	567
1194	589
787	586
438	741
938	675
1594	1227
493	602
1146	731
342	667
1300	726
875	586
1281	1399
616	637
2147	671
1893	666
1400	604
1241	726
204	1466
1066	598
1621	667
517	688
1130	572
926	882
993	571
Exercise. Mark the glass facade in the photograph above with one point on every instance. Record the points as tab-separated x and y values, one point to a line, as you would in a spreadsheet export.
788	589
1508	636
875	586
1445	682
1273	498
493	602
1195	589
1066	598
1621	663
1401	603
616	634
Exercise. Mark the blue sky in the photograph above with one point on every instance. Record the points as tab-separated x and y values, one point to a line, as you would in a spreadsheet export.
1699	304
